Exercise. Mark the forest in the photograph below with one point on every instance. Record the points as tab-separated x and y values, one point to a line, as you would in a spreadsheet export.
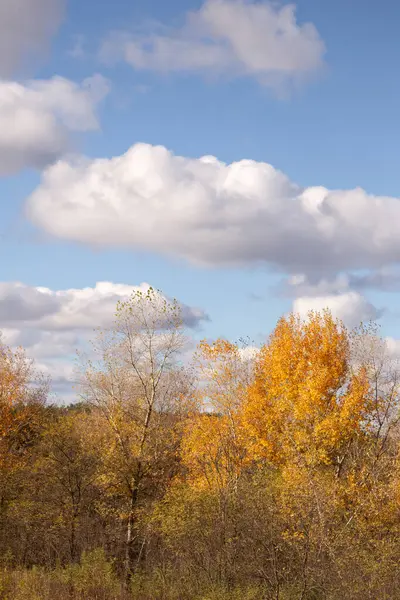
236	474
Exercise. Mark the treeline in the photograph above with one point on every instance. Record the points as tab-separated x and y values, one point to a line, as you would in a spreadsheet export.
269	475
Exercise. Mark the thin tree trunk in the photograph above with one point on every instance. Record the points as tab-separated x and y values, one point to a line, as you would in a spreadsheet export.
72	539
130	537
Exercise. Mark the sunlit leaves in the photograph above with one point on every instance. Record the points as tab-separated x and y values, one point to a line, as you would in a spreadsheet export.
306	403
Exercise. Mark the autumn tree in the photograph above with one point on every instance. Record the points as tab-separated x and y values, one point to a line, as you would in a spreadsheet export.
141	390
23	393
307	403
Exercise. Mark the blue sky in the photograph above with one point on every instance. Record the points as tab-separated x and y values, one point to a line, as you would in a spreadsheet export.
330	120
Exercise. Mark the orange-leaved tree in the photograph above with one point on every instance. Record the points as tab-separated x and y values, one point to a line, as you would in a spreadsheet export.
307	403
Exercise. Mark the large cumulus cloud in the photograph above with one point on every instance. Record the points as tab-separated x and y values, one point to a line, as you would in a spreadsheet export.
215	214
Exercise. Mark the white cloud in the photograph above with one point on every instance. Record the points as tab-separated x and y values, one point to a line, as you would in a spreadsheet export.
393	347
214	214
53	324
227	37
350	307
26	27
36	119
249	353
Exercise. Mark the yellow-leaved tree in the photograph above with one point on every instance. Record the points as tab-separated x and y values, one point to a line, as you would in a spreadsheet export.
307	402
